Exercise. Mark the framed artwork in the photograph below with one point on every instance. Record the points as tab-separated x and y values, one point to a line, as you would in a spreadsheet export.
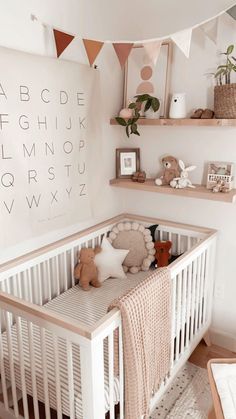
220	172
127	162
141	77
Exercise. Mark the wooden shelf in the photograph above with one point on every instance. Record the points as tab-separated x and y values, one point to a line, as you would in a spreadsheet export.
199	192
184	122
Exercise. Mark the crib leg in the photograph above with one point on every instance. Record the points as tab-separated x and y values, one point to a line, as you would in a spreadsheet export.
207	338
92	379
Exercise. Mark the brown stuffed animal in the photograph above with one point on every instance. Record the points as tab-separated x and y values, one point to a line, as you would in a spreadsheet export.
170	171
86	271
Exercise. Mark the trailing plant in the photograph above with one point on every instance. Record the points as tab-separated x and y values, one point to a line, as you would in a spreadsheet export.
224	71
131	126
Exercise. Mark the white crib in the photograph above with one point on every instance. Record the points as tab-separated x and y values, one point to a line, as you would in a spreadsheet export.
41	351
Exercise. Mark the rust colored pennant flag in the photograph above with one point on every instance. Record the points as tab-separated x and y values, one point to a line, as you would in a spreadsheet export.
122	52
92	49
62	41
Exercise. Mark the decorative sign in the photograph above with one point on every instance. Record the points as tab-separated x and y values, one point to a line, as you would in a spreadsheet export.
44	105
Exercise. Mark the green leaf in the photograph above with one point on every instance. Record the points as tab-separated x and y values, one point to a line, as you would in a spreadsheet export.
121	121
155	104
137	133
127	131
132	105
142	98
134	127
148	105
230	49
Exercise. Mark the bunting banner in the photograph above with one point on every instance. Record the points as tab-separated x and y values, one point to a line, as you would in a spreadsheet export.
92	49
152	51
210	29
232	12
62	40
183	41
122	52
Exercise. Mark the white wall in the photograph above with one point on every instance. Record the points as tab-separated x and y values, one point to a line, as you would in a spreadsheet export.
17	31
195	145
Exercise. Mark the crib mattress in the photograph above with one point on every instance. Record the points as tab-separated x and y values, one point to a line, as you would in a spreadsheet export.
76	304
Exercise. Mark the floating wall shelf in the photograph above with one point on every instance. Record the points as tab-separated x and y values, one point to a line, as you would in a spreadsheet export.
184	122
199	192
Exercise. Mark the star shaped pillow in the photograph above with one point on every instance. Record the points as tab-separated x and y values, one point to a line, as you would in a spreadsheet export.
109	261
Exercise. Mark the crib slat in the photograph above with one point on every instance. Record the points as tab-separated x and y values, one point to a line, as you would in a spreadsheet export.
2	369
200	317
121	373
184	317
72	264
179	296
57	276
189	294
193	299
49	279
39	285
199	259
29	280
33	372
173	321
208	258
45	375
111	374
65	271
11	364
57	376
22	367
70	379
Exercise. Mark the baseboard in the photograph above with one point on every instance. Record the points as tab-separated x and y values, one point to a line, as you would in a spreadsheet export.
224	340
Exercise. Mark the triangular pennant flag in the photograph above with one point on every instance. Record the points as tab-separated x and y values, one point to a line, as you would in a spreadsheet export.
232	12
152	51
210	29
92	48
122	52
183	40
62	41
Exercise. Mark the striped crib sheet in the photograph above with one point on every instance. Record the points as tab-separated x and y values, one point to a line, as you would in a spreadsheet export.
76	304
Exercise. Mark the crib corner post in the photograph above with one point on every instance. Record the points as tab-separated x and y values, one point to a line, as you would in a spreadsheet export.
92	379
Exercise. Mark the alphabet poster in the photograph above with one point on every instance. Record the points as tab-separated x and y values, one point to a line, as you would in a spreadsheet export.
44	121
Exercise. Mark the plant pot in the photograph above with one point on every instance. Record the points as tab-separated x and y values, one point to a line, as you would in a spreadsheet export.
150	114
225	101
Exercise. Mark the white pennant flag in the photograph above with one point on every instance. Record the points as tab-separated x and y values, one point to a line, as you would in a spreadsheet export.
152	51
210	29
183	40
232	12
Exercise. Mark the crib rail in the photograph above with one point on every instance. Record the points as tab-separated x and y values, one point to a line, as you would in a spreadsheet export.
29	329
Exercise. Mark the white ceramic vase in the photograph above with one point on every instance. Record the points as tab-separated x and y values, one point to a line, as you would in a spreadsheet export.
178	106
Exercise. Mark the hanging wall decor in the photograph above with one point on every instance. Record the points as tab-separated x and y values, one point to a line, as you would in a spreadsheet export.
44	122
143	78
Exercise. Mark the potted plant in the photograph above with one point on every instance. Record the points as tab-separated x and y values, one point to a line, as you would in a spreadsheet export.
225	91
151	103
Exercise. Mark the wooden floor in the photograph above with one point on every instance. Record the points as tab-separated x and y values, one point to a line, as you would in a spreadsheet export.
199	357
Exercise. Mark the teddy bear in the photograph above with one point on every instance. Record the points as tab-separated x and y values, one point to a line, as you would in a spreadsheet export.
86	271
170	171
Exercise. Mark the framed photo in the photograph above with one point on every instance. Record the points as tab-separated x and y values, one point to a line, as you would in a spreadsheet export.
220	172
127	162
141	77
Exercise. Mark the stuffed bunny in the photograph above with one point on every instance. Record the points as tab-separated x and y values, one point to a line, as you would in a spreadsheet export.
183	181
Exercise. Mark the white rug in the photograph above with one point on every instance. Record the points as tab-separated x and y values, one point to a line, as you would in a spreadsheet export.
188	397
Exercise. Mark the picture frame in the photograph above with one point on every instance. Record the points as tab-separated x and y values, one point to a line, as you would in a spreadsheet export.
218	171
160	76
127	162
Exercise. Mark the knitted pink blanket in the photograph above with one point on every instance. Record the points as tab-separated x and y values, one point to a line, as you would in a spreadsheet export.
146	324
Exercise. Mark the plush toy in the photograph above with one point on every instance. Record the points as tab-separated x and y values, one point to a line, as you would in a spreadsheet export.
86	271
183	181
162	252
170	171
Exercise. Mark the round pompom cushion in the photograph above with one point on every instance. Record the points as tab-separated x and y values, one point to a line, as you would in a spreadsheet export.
138	240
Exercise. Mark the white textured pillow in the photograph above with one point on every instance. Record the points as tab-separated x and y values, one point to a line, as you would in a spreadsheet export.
109	261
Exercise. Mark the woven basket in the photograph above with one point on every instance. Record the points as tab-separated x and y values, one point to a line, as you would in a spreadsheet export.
225	101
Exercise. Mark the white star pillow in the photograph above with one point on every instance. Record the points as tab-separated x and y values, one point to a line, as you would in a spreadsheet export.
109	261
